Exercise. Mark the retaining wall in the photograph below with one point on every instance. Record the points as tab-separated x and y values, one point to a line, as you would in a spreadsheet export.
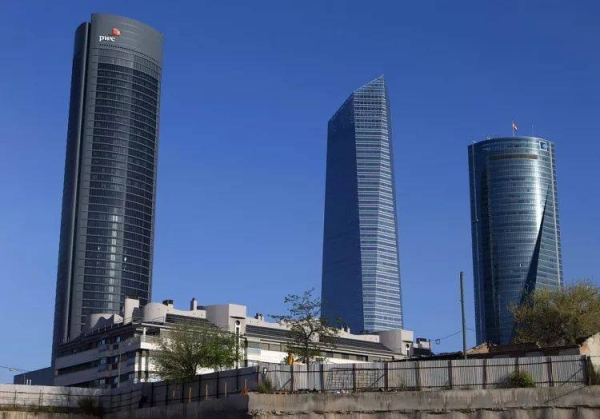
40	415
538	403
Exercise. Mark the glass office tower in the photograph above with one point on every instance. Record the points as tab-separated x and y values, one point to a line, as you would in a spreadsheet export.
361	278
107	227
515	228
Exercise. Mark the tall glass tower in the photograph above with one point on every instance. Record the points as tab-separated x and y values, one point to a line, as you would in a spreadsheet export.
361	277
107	227
515	228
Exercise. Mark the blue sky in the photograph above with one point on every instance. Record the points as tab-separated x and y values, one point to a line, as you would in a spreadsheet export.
248	89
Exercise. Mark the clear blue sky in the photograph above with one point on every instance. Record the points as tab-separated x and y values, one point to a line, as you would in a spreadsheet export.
247	92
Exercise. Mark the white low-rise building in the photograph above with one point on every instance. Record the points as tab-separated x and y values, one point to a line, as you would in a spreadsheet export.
116	350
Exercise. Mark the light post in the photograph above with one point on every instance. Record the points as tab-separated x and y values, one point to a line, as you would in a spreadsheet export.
18	370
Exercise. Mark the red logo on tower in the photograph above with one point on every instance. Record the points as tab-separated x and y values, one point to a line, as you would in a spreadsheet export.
110	38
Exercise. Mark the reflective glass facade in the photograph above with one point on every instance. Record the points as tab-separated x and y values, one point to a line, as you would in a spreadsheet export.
515	228
361	277
107	227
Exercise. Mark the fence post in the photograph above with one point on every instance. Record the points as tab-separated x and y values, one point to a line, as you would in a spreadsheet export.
354	378
167	395
485	373
386	376
237	380
199	387
217	384
418	375
292	380
322	376
550	375
151	395
450	374
182	392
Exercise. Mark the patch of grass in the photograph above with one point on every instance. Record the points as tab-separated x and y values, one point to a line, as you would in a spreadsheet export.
88	406
32	408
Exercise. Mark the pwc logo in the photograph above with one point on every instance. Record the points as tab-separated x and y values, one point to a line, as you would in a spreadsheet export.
110	38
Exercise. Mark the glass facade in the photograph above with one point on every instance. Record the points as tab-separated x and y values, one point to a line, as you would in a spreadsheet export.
515	228
361	277
107	227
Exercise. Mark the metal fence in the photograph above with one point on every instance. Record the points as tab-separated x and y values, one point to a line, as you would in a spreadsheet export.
546	371
206	386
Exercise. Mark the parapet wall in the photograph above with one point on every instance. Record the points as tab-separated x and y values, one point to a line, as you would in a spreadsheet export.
439	404
556	403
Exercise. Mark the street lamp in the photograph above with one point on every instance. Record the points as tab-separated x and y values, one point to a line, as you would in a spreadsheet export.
12	369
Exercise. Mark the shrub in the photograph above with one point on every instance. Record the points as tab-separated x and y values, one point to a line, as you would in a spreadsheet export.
265	387
520	379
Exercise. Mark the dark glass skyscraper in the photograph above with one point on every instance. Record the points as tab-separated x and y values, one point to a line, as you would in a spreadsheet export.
107	227
515	228
361	277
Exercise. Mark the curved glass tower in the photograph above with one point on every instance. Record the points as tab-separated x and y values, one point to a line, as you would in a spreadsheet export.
515	228
361	277
107	227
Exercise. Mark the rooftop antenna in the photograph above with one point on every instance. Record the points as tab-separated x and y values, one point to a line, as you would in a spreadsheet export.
514	128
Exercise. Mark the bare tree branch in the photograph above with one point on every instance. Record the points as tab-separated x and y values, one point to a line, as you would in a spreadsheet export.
309	333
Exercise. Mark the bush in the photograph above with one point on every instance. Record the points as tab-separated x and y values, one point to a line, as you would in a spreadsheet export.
265	387
520	379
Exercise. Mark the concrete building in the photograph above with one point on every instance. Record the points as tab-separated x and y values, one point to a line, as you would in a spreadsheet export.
515	228
361	271
107	227
117	349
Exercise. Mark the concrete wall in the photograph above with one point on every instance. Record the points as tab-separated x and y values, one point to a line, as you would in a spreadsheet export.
67	397
552	403
228	408
40	415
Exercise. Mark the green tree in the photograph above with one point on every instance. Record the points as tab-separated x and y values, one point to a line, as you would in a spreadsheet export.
558	317
188	346
309	333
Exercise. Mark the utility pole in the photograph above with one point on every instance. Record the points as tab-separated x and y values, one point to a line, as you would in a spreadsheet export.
462	308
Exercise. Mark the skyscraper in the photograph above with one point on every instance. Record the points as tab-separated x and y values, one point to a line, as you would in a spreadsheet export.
515	228
107	227
361	277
